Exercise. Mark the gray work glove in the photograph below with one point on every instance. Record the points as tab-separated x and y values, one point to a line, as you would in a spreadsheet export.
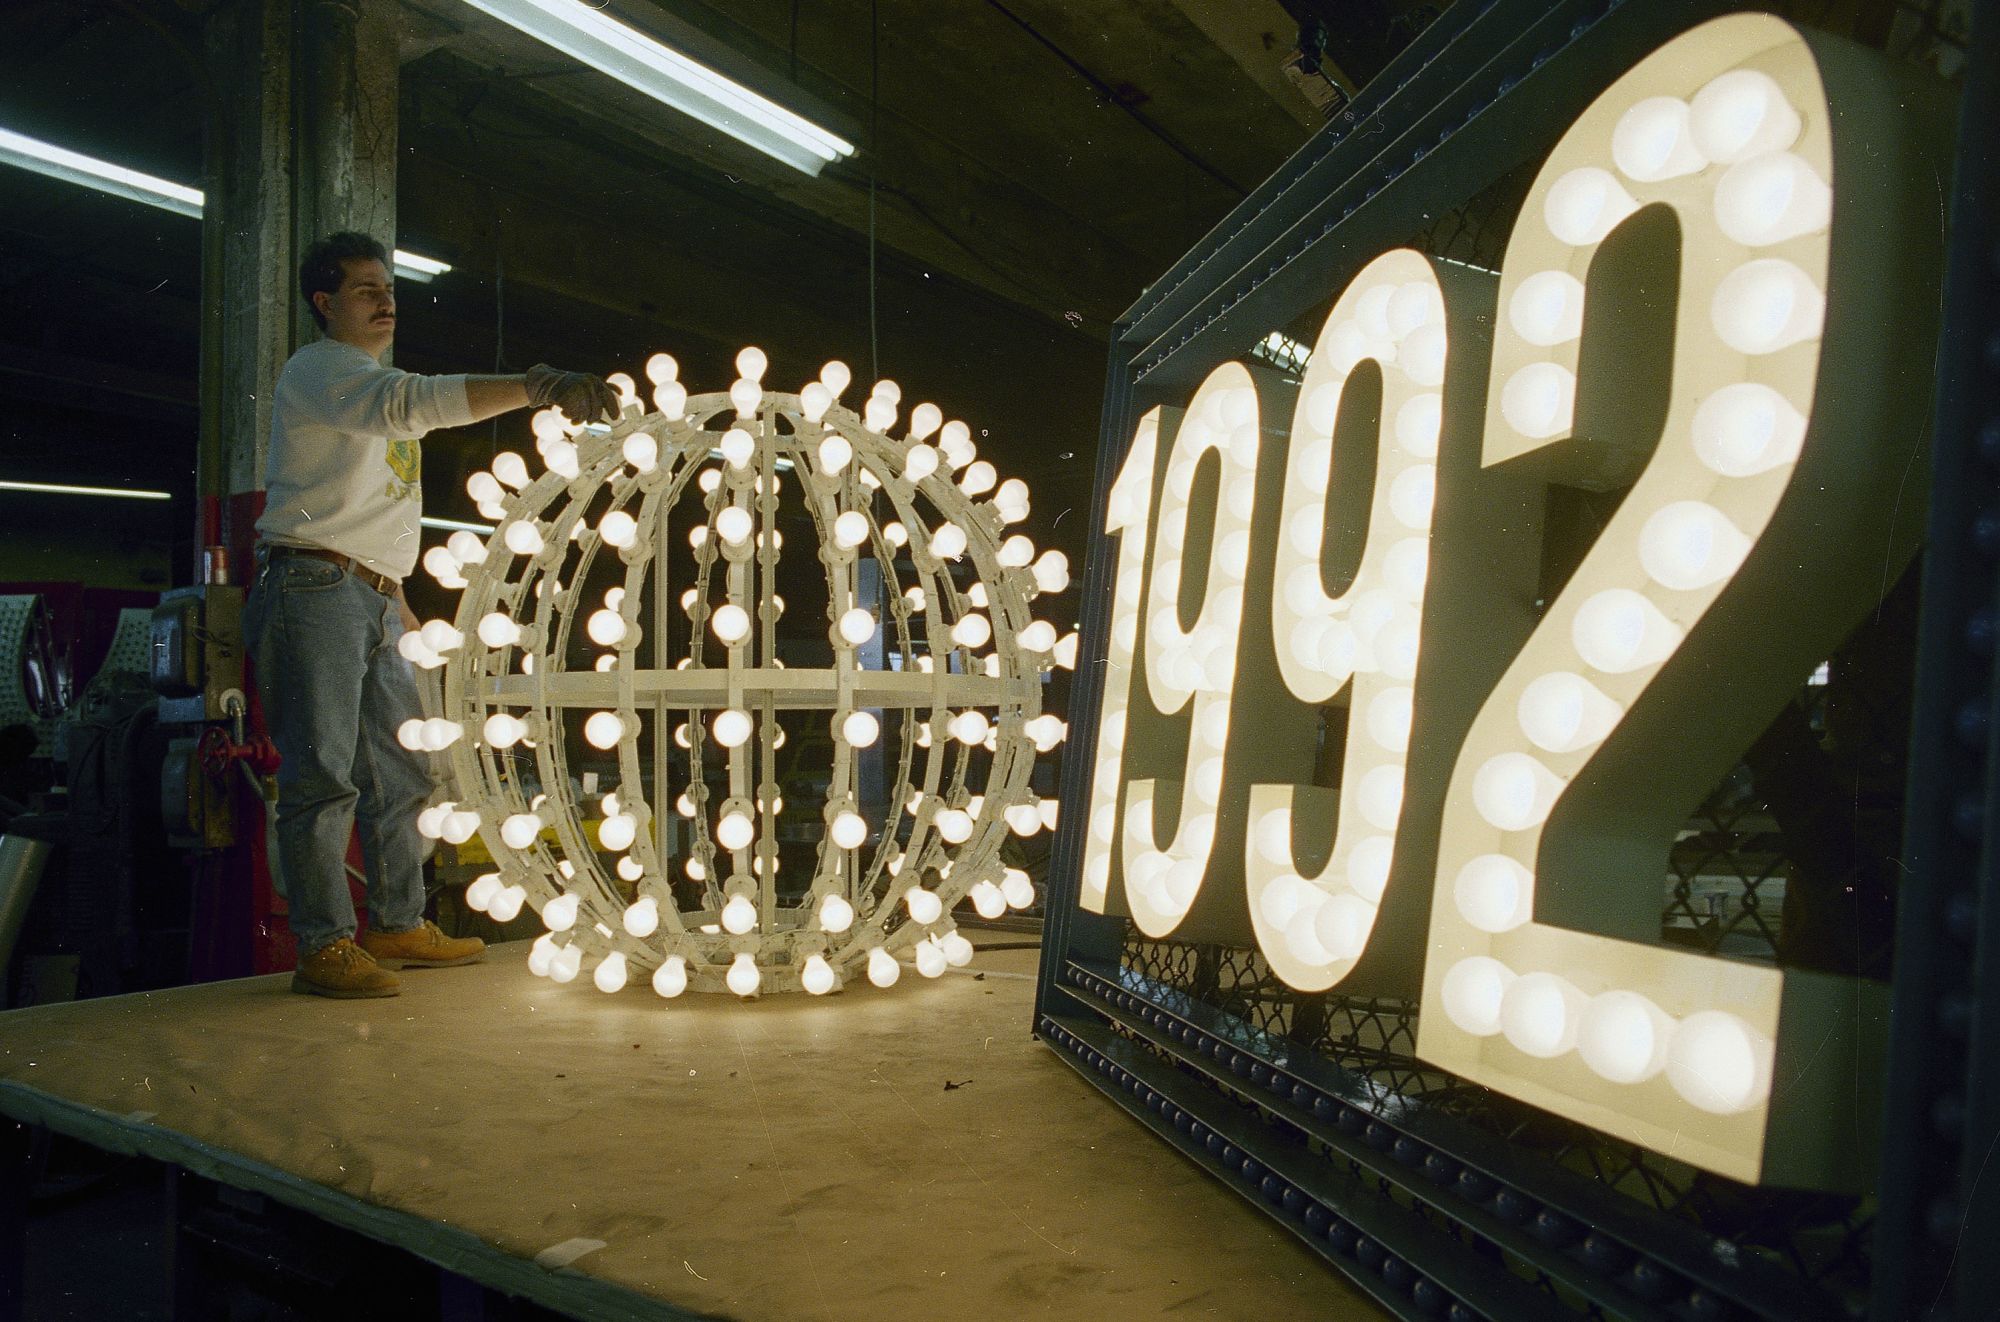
581	396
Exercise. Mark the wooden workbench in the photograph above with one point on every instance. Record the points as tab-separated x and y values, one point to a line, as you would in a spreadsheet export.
787	1158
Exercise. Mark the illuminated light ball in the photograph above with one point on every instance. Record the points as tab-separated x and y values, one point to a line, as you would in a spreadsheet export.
603	730
1412	304
743	977
1406	568
970	727
1388	718
559	914
1623	1037
1766	305
481	891
670	398
1618	631
1017	889
849	831
1284	895
731	623
1741	114
948	541
642	917
1547	308
1539	1014
834	453
523	539
511	469
410	734
1771	198
745	396
1039	636
605	627
925	907
520	829
731	727
850	530
734	525
1539	400
1564	712
466	548
1689	545
978	479
1514	792
541	954
671	979
1397	644
972	631
617	832
566	963
857	626
1271	836
505	906
1342	925
618	529
440	636
987	900
814	400
1302	932
1312	465
1051	571
641	451
1411	495
817	975
1232	554
931	962
954	826
629	869
440	733
661	368
1494	893
1022	819
496	630
1011	500
503	730
460	827
955	443
610	974
1747	428
484	489
1342	347
958	951
1207	783
1654	140
883	970
836	914
1379	796
734	831
739	915
860	729
920	463
1304	595
1182	882
1368	866
1585	205
1718	1063
1422	356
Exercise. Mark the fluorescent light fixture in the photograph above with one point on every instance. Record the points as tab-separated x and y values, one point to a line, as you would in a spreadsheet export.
45	158
455	525
666	75
60	489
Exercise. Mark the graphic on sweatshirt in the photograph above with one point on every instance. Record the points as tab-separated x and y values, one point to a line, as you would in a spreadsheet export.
407	463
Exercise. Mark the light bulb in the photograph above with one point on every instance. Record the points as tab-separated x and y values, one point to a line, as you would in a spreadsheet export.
850	530
520	829
1742	113
1539	400
670	398
1514	792
1494	893
485	489
642	917
925	906
441	565
1539	1014
565	963
948	541
958	951
817	976
849	831
617	832
1064	651
834	453
1564	713
739	915
1011	500
460	827
883	970
745	396
610	974
1690	544
1618	631
734	525
970	726
1412	494
1718	1063
954	826
1623	1036
1766	305
857	626
987	900
920	463
1379	796
1547	308
931	962
629	869
1051	572
1368	867
440	734
897	536
1473	991
978	478
734	831
1341	926
743	977
505	906
410	734
1017	888
1770	198
603	730
605	627
730	622
661	368
1050	811
618	529
1747	428
1654	140
1022	819
523	538
836	914
641	451
670	979
860	729
815	400
1585	205
481	892
561	459
732	727
511	469
972	631
737	447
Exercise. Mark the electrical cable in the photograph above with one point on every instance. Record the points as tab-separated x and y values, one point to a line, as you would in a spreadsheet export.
874	122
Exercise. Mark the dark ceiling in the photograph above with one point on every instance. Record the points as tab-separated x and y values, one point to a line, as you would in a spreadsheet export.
1026	166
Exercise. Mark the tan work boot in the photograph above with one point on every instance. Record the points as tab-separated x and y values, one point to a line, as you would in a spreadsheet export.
425	946
345	972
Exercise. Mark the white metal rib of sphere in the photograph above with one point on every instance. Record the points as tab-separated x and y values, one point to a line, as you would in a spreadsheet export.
628	606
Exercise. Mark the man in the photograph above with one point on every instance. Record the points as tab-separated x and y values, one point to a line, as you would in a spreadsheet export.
339	533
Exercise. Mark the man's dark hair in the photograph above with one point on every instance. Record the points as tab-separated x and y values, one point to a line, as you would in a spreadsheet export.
322	269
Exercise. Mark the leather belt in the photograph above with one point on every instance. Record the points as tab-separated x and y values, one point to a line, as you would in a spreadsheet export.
382	583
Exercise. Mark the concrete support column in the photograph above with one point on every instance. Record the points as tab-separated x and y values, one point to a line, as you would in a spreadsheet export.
301	141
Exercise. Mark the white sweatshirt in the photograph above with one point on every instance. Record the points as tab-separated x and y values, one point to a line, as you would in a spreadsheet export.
345	471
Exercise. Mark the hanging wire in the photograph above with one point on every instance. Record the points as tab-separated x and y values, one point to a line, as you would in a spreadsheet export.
874	121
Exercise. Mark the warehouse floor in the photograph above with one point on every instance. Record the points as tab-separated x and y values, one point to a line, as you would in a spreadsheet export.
909	1153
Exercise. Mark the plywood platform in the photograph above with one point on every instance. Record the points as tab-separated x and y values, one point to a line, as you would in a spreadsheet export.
882	1155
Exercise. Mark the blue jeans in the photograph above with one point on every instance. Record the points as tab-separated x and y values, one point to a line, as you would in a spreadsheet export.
335	689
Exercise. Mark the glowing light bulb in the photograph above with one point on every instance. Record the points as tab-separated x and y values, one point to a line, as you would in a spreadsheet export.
1017	888
611	974
670	979
1494	893
1379	796
739	915
561	458
1563	712
1766	305
743	977
987	900
1473	991
957	950
410	734
731	727
1747	428
1742	113
1547	308
883	970
849	831
815	400
442	565
559	914
817	975
920	463
641	451
931	962
834	453
731	623
440	734
1718	1063
1539	1014
737	447
565	963
661	368
948	541
1539	400
860	729
1623	1036
734	525
850	530
978	478
670	398
857	626
642	916
1514	792
954	826
520	829
523	538
836	914
1770	198
734	831
1051	572
1064	651
1585	205
970	726
511	469
460	827
505	906
617	832
1618	631
603	730
745	396
972	631
1654	140
1690	544
485	489
482	890
605	627
925	906
1412	494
